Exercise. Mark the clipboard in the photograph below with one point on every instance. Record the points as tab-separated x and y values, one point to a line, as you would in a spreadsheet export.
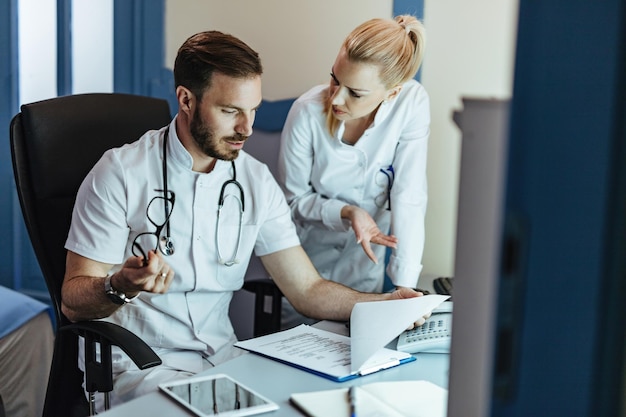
373	325
321	352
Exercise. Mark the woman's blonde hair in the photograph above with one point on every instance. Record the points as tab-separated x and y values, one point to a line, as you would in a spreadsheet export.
395	46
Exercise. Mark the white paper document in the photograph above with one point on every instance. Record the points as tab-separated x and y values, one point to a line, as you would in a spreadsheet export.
372	326
388	399
375	324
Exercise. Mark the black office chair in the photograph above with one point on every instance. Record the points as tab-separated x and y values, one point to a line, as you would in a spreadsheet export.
54	144
267	305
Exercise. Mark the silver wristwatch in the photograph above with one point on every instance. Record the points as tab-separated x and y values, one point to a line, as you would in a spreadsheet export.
114	295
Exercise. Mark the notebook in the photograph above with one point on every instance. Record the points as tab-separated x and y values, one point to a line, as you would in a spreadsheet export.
389	399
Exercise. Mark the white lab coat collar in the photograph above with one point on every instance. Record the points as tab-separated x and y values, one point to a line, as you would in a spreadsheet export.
176	152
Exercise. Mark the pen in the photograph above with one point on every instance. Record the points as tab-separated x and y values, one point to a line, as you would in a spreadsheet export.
352	399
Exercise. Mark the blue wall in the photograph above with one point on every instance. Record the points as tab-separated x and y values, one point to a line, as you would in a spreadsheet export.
8	107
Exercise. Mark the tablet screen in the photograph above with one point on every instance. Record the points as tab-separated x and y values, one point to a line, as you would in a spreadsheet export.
217	395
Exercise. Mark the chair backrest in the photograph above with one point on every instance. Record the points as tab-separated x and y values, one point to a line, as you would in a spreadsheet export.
54	144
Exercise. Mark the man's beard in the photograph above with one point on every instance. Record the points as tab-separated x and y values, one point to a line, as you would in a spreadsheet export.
204	137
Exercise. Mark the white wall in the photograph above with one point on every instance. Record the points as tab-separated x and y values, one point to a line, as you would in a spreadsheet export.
297	40
469	53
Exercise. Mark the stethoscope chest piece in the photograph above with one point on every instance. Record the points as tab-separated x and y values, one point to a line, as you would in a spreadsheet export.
166	245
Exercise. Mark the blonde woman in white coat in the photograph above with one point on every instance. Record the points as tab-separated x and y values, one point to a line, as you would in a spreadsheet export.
353	161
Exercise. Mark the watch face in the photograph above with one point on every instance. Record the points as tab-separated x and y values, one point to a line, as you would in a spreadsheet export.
115	298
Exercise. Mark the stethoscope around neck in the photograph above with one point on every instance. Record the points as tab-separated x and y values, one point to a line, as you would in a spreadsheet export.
166	244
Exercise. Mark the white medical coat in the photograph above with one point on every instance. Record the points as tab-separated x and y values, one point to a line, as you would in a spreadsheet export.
320	174
110	211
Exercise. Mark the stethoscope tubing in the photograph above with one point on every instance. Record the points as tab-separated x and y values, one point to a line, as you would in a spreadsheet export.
233	259
166	245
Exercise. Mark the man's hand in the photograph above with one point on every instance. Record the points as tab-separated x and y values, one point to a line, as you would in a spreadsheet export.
366	230
156	276
403	292
83	296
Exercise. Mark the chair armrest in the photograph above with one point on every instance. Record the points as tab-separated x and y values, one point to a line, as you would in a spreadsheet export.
98	371
139	352
267	305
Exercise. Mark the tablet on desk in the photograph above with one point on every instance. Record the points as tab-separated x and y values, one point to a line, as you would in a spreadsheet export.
217	395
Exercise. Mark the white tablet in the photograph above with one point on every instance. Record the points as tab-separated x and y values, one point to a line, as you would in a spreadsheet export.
217	395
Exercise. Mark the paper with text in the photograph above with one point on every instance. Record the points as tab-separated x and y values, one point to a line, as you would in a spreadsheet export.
319	351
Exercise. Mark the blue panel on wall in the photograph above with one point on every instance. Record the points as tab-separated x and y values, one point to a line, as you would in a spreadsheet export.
64	47
414	7
272	114
138	46
8	107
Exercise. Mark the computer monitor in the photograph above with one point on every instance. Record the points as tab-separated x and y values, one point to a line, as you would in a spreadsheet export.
484	125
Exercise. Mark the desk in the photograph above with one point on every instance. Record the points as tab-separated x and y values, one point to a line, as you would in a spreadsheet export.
277	381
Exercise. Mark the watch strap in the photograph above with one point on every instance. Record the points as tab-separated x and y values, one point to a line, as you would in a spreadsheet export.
114	295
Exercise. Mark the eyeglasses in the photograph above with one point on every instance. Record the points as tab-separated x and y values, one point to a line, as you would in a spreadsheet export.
384	178
158	212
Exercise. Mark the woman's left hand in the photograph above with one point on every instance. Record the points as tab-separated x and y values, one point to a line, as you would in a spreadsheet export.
366	230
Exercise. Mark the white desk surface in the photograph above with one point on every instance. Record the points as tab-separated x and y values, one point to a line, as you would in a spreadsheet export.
278	381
